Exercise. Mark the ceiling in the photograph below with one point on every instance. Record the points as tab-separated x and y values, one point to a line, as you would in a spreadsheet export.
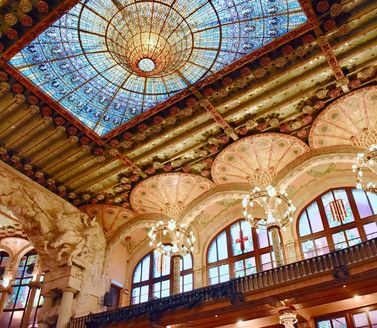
106	62
280	87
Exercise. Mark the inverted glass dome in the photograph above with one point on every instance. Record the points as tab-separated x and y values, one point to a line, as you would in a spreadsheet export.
107	61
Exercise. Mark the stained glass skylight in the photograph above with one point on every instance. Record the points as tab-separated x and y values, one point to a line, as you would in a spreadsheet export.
107	61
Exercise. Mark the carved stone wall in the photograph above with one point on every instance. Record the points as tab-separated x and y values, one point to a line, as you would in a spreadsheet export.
66	239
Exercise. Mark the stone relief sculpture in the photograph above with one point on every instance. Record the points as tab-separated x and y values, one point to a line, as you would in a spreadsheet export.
62	235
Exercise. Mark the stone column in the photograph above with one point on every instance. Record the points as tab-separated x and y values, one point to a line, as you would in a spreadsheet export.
48	303
34	286
276	245
5	291
288	318
65	309
176	274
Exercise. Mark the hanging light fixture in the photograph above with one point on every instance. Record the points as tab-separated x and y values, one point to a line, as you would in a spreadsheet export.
169	238
278	207
363	161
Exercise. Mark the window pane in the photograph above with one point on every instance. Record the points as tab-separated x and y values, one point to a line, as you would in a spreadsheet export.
324	324
304	225
245	267
321	246
145	268
339	322
212	252
373	201
224	273
187	262
186	283
314	218
263	238
362	203
165	288
144	293
250	266
161	265
239	269
360	320
137	273
338	208
242	241
370	230
266	260
339	240
373	316
135	295
213	274
308	248
353	236
222	246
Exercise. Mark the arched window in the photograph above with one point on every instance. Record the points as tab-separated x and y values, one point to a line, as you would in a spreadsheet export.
153	277
237	251
337	219
16	303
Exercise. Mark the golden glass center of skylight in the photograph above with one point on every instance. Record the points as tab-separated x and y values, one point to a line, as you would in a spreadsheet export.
108	61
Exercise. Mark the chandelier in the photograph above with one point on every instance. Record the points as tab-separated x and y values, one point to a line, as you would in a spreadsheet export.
169	238
362	161
278	207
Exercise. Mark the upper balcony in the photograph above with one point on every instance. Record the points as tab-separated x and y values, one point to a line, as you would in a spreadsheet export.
332	277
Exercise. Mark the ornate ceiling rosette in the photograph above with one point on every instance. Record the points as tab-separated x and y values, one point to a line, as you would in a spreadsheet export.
350	120
168	194
256	159
106	62
110	217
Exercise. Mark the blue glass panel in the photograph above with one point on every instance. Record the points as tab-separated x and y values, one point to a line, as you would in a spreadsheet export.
108	61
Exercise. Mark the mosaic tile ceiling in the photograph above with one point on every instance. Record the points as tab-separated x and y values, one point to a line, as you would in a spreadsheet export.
107	61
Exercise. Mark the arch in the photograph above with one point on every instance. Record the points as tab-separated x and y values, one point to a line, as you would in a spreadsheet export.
336	219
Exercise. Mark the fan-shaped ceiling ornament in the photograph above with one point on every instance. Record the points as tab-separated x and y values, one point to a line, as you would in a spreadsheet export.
350	120
111	218
256	159
168	194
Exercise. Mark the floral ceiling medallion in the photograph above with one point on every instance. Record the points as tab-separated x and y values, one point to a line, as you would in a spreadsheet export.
106	62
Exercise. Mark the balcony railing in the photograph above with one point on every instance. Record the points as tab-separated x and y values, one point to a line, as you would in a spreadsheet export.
334	263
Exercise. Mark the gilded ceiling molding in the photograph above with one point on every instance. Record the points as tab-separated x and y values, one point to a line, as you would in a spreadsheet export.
168	193
350	120
256	159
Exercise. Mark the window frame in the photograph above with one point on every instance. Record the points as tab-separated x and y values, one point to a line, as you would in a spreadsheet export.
152	280
232	259
347	314
329	231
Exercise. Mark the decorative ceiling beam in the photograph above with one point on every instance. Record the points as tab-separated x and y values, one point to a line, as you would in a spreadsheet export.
38	28
211	109
325	45
333	62
129	163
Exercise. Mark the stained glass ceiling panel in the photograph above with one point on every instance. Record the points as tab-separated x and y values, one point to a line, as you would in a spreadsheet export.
107	61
